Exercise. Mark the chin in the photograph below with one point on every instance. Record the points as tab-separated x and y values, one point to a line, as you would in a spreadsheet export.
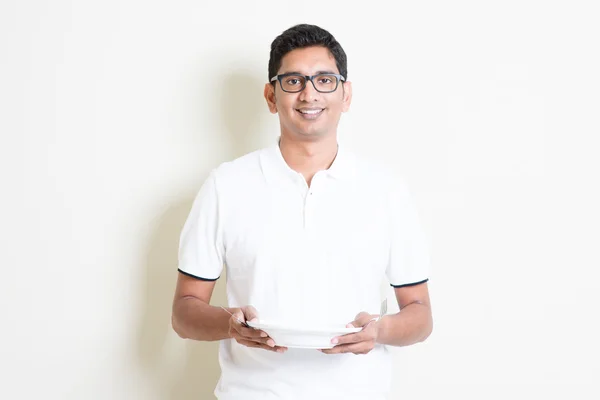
313	136
310	132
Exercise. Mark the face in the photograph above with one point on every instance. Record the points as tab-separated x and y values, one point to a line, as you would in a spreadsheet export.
308	114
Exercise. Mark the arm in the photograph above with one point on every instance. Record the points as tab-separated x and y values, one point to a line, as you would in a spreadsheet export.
413	323
201	253
408	263
193	317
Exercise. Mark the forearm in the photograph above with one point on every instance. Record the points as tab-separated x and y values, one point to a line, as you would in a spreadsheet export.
195	319
411	325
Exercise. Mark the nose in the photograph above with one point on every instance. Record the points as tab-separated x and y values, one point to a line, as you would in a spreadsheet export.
309	93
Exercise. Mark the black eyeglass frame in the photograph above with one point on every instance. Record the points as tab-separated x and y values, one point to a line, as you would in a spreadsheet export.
339	78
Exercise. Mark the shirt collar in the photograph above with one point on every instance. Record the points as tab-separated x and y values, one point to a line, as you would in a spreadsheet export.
275	168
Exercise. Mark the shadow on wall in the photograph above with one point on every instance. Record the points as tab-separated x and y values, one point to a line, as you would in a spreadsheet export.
243	107
194	374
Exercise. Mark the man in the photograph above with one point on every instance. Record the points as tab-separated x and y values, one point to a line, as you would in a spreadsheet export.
307	232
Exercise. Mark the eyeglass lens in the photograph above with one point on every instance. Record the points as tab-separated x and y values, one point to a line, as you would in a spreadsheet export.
296	83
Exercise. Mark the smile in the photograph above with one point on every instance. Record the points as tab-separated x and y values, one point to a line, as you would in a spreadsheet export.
310	113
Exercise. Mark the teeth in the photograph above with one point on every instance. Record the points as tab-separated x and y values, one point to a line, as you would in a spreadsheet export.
310	111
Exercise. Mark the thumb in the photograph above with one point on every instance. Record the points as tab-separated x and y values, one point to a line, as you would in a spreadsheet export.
361	320
250	313
238	314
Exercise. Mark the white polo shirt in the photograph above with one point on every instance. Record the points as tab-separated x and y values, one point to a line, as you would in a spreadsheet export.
299	255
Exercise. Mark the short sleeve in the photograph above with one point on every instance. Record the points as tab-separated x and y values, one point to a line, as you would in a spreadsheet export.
200	245
409	261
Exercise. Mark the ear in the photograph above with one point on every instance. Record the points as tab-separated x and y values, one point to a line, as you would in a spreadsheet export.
270	97
347	93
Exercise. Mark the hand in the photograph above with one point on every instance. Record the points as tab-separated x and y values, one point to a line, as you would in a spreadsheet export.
250	337
358	343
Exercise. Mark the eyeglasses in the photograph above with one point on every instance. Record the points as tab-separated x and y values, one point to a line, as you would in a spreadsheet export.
294	83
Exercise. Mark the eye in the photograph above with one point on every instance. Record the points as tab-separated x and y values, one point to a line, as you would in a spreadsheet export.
292	81
325	80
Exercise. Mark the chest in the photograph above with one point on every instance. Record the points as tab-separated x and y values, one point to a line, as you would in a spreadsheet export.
289	231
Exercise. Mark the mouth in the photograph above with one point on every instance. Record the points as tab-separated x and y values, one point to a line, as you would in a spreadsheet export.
310	113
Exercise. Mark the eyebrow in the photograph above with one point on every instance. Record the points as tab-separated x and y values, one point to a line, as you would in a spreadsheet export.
317	73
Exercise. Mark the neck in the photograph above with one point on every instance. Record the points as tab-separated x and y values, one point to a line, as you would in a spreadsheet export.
309	157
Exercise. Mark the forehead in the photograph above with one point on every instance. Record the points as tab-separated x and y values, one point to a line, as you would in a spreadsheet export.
308	60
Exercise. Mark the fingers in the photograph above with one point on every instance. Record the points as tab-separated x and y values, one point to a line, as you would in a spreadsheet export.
265	343
263	346
249	332
237	329
368	333
358	337
356	348
358	343
251	337
242	336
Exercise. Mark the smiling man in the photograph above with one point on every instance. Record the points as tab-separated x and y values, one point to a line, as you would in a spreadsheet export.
308	232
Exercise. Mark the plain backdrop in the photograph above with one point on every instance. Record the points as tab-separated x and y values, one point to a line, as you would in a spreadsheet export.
112	113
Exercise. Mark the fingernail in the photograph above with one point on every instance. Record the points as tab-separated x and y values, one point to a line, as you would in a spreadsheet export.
271	343
262	334
254	320
334	340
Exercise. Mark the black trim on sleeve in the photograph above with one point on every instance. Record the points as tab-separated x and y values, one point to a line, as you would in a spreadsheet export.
198	277
409	284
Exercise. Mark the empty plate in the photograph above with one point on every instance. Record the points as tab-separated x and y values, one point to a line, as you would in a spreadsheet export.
303	337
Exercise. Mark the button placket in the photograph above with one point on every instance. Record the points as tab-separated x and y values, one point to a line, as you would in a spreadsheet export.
308	205
310	201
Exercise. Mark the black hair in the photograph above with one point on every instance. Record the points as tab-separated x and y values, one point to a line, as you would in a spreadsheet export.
301	36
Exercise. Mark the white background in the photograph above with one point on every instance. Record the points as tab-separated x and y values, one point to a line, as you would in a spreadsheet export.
113	113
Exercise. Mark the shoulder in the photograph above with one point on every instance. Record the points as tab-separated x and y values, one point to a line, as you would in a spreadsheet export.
238	168
239	172
378	174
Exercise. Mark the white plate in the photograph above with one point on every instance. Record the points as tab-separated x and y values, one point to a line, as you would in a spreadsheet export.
303	337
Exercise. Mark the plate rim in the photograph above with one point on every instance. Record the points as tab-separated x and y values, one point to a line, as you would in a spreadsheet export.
298	329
